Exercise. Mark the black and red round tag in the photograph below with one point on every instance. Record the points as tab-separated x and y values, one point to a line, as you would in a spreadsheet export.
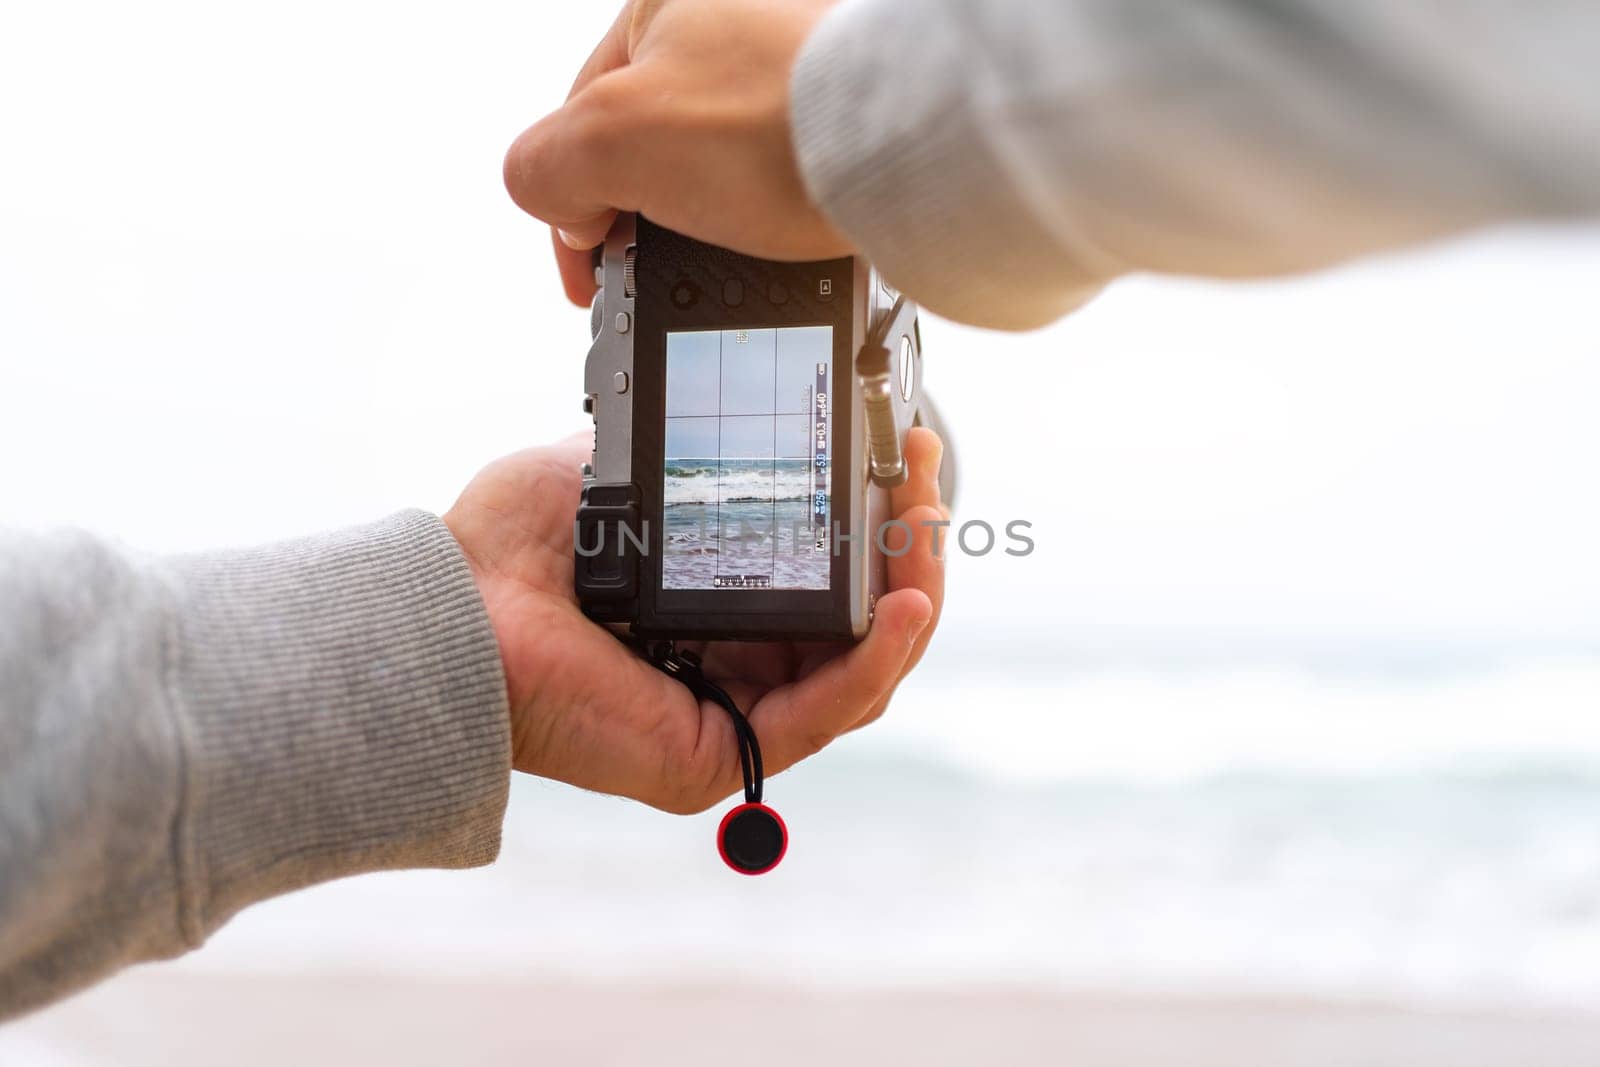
752	838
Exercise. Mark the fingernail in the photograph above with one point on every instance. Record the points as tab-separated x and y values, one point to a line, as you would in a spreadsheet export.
916	630
571	241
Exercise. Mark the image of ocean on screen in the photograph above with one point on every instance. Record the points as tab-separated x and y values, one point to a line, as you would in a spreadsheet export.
743	517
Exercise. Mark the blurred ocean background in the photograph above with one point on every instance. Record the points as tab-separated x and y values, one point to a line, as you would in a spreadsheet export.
1441	889
1298	696
1386	832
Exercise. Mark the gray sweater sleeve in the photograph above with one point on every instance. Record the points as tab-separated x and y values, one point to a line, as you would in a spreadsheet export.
182	737
1000	160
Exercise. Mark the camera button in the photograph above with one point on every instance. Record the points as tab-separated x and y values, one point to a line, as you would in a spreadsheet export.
619	381
778	293
623	322
685	294
733	292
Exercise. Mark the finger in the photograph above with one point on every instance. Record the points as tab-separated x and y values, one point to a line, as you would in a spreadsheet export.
586	235
924	455
921	568
572	168
917	503
575	447
573	259
577	270
798	720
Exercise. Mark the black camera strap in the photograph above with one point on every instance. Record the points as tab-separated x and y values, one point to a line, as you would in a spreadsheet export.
751	838
685	666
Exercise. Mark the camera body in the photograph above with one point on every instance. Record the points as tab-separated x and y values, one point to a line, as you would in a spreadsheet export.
749	422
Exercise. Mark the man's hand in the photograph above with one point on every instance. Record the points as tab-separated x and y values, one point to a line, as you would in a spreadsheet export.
681	113
586	710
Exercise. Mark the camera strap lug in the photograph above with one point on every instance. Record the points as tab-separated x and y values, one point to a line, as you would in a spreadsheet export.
877	380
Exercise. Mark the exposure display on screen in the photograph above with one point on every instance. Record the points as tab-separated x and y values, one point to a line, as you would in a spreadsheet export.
749	444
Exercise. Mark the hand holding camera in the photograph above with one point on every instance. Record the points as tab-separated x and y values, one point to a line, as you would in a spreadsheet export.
651	126
585	709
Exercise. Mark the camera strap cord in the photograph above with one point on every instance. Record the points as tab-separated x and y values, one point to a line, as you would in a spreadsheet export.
685	666
752	839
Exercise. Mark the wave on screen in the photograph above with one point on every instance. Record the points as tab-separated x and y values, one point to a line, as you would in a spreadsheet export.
736	481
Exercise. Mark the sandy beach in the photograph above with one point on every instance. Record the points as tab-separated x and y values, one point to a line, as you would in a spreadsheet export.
162	1017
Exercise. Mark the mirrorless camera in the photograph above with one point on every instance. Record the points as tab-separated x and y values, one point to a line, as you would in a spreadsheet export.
749	421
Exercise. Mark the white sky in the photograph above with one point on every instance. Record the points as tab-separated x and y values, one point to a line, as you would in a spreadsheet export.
258	276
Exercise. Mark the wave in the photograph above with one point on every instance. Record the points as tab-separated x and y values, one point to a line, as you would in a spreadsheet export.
674	470
710	498
738	482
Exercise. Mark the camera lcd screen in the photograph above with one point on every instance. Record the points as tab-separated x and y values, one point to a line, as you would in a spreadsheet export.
747	465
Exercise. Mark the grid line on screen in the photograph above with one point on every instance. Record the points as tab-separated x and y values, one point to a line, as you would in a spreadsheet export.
776	339
722	340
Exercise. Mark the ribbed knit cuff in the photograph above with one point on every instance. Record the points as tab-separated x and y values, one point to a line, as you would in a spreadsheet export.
895	148
344	710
